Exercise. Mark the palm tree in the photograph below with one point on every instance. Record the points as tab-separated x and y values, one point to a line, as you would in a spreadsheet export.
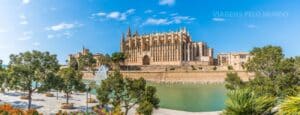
245	102
290	106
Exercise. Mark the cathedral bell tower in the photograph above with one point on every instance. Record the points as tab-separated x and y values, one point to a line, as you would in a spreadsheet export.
128	33
122	43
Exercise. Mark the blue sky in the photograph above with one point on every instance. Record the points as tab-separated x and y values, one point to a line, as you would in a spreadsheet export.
64	26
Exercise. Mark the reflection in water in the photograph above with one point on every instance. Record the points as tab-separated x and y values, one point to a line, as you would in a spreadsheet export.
191	97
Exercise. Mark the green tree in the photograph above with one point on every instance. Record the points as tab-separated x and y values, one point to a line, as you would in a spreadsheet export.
53	81
265	61
246	102
30	69
72	81
282	74
263	86
148	101
275	76
3	77
233	81
126	92
1	64
104	60
118	58
297	65
145	108
73	62
88	61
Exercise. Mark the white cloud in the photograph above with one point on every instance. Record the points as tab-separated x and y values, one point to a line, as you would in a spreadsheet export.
66	34
50	36
180	19
130	11
115	14
61	26
23	19
170	20
2	30
24	22
161	21
218	19
148	11
251	26
26	36
101	14
25	1
167	2
36	43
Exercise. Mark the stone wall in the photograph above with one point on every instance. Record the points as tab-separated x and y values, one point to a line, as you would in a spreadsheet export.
185	77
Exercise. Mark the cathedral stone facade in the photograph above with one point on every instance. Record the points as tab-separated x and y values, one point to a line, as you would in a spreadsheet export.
167	48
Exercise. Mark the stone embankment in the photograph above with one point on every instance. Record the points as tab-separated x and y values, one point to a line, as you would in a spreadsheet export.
179	74
186	76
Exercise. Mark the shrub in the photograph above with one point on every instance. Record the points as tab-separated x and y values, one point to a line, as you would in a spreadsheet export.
91	100
246	102
67	105
193	68
172	68
24	97
233	81
230	67
7	109
49	95
200	68
145	108
290	106
215	68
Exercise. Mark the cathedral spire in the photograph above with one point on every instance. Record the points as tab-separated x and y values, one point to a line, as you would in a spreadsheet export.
136	33
83	47
129	32
123	37
184	29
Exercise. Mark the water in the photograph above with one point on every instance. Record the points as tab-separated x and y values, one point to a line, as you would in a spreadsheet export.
101	74
191	97
186	97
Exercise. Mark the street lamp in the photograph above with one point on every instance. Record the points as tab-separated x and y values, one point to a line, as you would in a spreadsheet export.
87	96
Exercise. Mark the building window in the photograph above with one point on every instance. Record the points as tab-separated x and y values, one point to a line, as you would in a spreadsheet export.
243	56
224	60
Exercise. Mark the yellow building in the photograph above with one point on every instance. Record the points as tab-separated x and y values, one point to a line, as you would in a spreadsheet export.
236	59
166	48
85	51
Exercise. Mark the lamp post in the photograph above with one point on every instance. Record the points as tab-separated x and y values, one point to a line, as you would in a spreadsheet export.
87	96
